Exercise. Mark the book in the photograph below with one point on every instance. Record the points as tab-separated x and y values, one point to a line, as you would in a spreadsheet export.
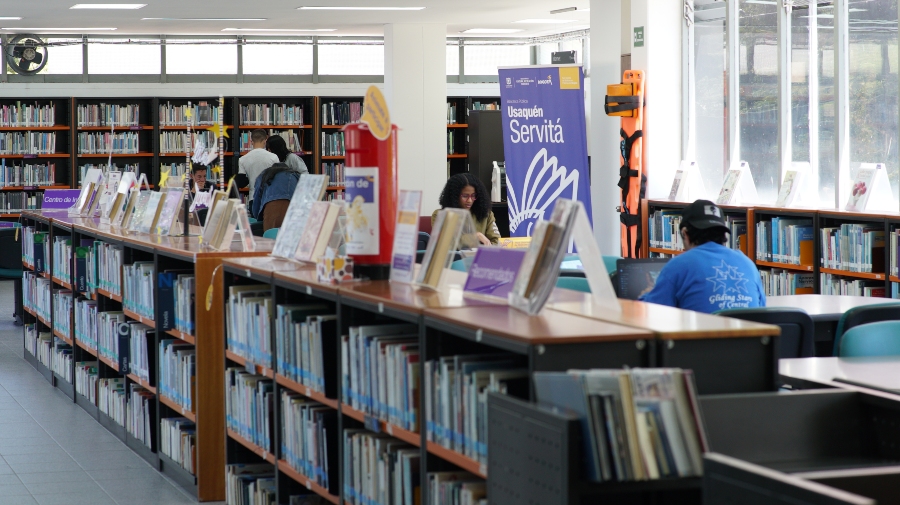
168	213
310	188
443	241
726	194
150	212
322	219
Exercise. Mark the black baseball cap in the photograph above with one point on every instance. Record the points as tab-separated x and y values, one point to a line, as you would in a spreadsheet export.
703	215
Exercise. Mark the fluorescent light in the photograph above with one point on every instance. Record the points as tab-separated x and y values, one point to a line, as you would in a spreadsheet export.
544	21
203	19
567	9
360	8
57	29
107	6
278	29
10	18
491	30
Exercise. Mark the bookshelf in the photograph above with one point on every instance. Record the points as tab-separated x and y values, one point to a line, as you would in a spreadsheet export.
99	121
142	406
332	113
459	130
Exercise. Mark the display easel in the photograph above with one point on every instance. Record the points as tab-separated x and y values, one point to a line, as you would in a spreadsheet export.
738	188
796	188
871	190
687	185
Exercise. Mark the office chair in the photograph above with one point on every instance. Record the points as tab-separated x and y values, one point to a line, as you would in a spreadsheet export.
871	339
862	315
574	283
271	233
797	329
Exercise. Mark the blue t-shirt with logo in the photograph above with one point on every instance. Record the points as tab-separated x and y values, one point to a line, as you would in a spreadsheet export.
708	278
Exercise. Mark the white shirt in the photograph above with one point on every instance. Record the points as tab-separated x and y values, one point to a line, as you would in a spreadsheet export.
253	164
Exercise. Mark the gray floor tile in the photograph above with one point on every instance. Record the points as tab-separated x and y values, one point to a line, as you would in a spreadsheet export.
13	489
37	457
53	466
9	478
76	488
30	478
24	499
70	499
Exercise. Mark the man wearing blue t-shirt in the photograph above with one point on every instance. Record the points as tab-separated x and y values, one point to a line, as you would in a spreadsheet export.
708	276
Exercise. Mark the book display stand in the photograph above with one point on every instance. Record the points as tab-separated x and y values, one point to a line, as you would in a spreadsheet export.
871	190
738	188
797	188
687	185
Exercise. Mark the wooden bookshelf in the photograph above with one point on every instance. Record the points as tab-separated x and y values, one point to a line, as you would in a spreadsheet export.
259	451
62	283
259	370
856	275
190	339
172	404
111	296
785	266
34	128
146	385
305	391
137	317
285	468
62	336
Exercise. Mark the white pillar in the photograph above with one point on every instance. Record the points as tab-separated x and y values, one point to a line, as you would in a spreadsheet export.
660	59
415	86
605	57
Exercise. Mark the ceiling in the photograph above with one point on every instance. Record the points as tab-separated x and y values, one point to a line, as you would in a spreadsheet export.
458	15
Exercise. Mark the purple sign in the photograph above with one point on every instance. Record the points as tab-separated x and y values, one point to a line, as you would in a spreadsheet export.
60	198
493	271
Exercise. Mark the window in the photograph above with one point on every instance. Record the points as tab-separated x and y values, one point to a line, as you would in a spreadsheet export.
453	59
211	57
709	101
64	56
121	56
346	59
275	57
545	52
484	60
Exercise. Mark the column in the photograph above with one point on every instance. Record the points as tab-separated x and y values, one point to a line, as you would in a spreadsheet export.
415	86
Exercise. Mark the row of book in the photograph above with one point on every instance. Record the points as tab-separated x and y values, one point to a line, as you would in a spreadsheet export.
335	173
638	424
27	175
255	484
141	414
379	469
108	114
20	200
61	361
33	251
341	113
249	407
271	114
830	284
62	252
178	441
290	137
308	439
380	372
336	196
62	312
38	343
27	142
19	115
176	115
115	167
456	488
663	230
784	240
456	141
303	336
737	233
87	321
86	377
485	106
248	313
36	293
177	372
106	142
451	113
333	144
176	170
108	262
183	286
139	346
456	389
138	279
111	399
108	334
853	247
778	282
176	142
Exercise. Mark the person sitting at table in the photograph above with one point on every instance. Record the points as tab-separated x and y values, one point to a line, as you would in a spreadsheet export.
465	191
708	276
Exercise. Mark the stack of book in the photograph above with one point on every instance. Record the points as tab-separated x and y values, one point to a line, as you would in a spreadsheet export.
175	115
107	114
271	114
778	282
379	469
19	115
108	334
141	336
456	488
308	441
177	372
141	413
178	441
335	173
664	230
62	360
301	342
341	113
86	377
785	241
27	175
28	143
111	399
456	389
250	484
176	142
138	288
105	143
638	424
249	404
333	144
830	284
853	247
86	322
62	312
380	372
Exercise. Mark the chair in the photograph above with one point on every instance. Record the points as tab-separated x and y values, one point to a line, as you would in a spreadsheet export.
871	339
574	283
862	315
422	243
459	266
251	220
257	229
11	266
424	224
271	233
797	329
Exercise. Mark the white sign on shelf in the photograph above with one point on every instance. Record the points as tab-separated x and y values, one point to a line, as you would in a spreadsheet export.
687	184
738	188
797	187
871	190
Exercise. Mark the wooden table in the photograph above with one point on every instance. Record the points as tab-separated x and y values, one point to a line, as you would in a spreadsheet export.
881	373
826	312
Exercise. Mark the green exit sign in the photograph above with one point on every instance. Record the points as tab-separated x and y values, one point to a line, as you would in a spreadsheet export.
638	36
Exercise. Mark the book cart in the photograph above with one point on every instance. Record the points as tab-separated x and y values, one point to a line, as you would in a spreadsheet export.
164	253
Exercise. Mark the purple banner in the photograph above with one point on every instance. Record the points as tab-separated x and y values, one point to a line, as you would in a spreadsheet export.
544	142
59	198
493	271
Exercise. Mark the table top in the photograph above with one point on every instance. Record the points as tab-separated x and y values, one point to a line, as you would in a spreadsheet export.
879	372
825	307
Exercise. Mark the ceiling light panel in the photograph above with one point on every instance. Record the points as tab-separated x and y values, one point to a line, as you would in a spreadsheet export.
544	21
10	18
57	29
108	6
360	8
278	29
203	19
491	30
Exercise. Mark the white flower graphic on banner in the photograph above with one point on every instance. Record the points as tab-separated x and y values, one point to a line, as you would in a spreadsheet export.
539	191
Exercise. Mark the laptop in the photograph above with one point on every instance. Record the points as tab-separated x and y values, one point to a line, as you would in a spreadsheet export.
635	276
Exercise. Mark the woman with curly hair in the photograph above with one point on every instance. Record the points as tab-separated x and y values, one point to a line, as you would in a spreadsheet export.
465	191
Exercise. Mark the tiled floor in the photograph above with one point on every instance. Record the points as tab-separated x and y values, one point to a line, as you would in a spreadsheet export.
52	452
